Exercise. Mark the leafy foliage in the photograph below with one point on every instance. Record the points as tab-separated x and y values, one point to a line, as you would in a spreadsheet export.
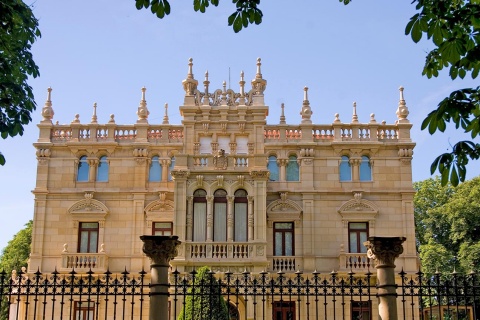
454	28
246	13
18	31
204	299
447	225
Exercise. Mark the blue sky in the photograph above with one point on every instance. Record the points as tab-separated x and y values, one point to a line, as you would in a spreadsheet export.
106	51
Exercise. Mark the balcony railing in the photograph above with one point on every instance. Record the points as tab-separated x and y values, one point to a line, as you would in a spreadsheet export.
355	262
97	262
218	250
285	263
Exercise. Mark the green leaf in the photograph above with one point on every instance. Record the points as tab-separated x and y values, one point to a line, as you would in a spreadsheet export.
454	177
231	18
237	24
416	32
2	159
139	4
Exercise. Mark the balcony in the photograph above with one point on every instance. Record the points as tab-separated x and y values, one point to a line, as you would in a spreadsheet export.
219	250
82	262
356	262
285	263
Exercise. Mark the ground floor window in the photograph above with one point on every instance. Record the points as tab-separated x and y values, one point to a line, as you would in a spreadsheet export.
84	310
283	310
162	229
283	238
361	310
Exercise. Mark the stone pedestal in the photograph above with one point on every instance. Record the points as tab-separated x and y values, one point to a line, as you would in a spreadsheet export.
384	251
160	250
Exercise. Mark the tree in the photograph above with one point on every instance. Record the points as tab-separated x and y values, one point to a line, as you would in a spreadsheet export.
18	31
447	225
204	298
454	28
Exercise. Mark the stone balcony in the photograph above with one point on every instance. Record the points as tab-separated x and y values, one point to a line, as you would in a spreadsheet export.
82	262
356	262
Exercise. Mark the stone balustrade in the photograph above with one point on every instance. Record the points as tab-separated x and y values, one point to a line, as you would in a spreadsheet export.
355	262
97	262
285	263
219	250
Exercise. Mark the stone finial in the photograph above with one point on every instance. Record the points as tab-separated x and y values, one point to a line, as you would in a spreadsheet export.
142	111
160	249
282	116
384	250
241	100
94	115
190	84
354	115
337	118
402	110
259	84
47	110
76	119
372	118
165	117
206	83
112	118
306	112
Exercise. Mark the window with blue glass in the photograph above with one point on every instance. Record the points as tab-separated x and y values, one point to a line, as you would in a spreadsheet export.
155	171
102	170
272	166
345	169
170	168
293	172
83	169
365	169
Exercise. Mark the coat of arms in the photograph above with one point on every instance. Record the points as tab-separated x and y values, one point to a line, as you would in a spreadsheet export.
220	160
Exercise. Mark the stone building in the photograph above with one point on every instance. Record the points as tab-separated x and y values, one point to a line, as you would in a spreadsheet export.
239	193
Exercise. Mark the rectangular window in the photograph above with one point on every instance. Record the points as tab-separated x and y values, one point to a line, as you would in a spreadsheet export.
283	237
283	310
224	143
357	235
205	145
200	221
220	221
88	237
162	228
242	145
84	310
361	310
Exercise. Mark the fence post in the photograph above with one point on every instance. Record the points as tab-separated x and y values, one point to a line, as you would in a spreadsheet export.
384	251
160	250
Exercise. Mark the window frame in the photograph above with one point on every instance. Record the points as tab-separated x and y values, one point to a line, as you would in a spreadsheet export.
81	312
361	307
199	199
365	168
216	200
273	164
283	232
83	160
240	199
292	164
360	248
103	168
345	169
162	230
89	231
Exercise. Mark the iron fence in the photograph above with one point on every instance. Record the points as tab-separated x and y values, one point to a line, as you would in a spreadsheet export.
277	296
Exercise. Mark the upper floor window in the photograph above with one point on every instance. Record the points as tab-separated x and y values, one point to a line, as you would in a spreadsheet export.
345	169
162	229
199	215
357	235
242	145
220	215
240	216
292	169
283	239
155	171
84	310
205	145
272	166
365	169
224	143
83	169
170	168
88	237
102	170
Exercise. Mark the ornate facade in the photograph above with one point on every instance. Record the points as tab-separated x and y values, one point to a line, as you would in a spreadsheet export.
239	193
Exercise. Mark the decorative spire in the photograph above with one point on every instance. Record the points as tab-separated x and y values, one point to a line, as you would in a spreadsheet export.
206	83
241	100
306	112
94	115
354	115
282	116
259	84
190	84
165	117
402	111
142	111
223	101
47	110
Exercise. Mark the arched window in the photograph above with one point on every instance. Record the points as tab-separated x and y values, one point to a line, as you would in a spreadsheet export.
365	169
102	170
272	166
241	212
220	215
345	169
83	169
155	172
170	168
199	215
292	169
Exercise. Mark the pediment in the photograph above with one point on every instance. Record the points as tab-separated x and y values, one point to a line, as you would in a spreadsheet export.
284	210
89	207
159	206
358	209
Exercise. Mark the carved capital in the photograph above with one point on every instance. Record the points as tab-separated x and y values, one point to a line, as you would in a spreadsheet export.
160	249
384	250
180	174
260	174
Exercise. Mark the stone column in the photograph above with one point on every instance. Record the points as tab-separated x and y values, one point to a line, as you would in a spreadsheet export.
209	218
160	250
230	222
384	251
189	218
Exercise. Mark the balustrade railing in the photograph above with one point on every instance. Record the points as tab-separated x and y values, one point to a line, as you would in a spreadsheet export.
85	261
355	262
218	250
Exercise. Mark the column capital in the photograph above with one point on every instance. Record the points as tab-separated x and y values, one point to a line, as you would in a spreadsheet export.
384	250
160	249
